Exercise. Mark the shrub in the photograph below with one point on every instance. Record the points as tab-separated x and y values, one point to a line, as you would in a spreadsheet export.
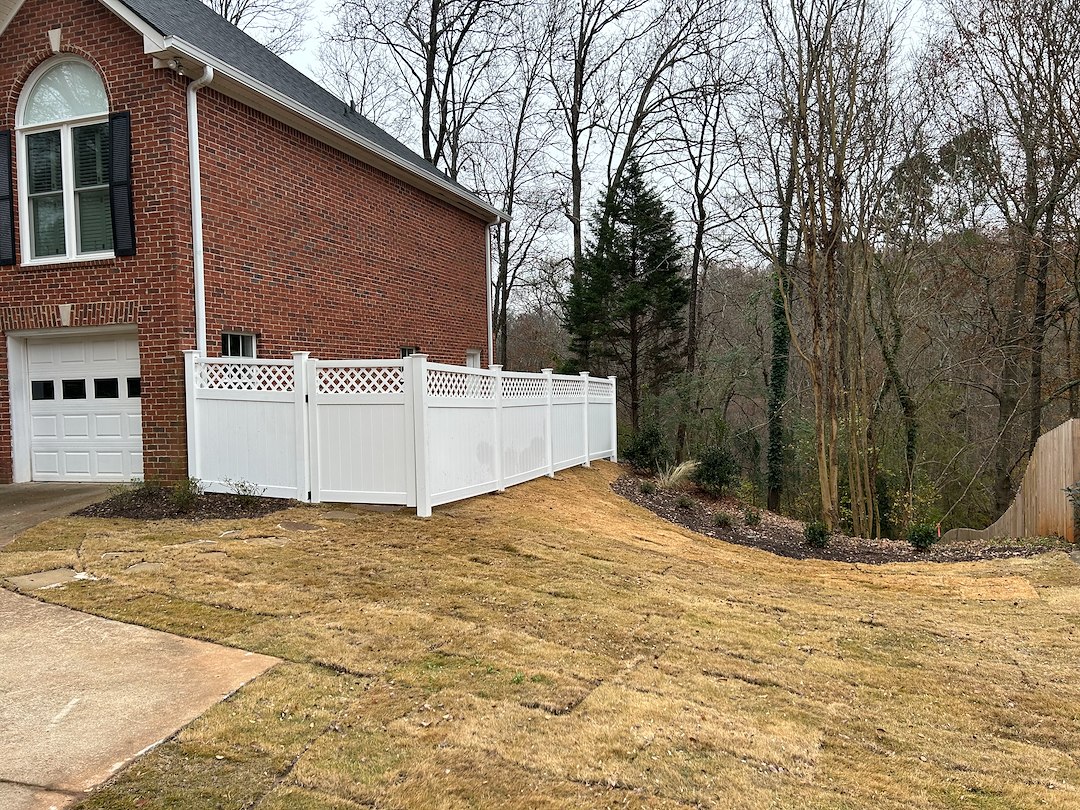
722	520
647	488
751	516
186	494
716	470
248	492
684	502
922	536
648	451
816	534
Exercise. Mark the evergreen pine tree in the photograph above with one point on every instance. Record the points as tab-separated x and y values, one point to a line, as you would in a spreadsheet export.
628	295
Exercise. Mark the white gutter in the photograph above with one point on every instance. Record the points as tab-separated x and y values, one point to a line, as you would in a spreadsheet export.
487	263
195	177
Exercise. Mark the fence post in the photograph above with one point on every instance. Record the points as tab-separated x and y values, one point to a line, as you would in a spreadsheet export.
498	377
314	439
614	420
417	366
549	396
585	418
301	387
191	357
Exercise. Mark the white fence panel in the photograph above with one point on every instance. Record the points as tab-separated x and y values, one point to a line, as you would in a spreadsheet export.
524	427
246	431
368	431
361	439
462	432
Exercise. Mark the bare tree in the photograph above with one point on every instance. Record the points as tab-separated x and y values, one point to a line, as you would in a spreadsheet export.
441	55
277	24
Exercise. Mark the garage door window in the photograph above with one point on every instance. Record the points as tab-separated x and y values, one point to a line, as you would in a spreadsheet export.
42	389
73	389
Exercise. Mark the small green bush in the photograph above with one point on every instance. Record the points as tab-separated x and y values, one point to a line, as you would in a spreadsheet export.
647	488
684	502
722	520
716	470
816	534
648	450
186	494
751	516
922	536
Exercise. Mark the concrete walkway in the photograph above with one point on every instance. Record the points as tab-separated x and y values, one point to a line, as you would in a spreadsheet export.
25	505
81	696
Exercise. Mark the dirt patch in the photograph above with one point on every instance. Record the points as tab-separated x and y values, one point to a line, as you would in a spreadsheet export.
696	511
158	503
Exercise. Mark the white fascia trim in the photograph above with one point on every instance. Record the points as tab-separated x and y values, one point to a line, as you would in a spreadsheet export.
176	45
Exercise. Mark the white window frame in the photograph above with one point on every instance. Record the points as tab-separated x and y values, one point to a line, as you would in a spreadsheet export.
244	336
472	358
67	163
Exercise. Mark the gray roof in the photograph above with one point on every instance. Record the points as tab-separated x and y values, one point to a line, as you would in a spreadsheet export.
198	25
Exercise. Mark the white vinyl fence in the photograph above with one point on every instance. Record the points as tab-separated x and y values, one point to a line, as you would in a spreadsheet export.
387	431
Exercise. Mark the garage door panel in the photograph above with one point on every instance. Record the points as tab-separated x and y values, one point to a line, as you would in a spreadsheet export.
94	433
109	426
76	427
46	462
76	462
43	427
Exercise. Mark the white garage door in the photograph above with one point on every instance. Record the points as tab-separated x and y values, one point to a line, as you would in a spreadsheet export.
85	416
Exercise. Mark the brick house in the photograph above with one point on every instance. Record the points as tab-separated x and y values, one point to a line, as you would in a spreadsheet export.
167	184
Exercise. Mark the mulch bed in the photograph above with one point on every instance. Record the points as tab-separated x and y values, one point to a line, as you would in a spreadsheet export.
158	503
784	536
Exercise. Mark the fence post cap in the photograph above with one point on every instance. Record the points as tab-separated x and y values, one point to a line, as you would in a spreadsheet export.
192	353
494	366
583	373
548	371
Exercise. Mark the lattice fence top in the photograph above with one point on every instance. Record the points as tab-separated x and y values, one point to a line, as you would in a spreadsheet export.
460	384
246	376
524	387
567	388
356	380
601	389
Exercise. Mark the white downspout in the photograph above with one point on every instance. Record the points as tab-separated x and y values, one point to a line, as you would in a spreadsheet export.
490	281
195	177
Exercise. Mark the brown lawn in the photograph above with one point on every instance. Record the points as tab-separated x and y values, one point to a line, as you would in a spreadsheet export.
559	647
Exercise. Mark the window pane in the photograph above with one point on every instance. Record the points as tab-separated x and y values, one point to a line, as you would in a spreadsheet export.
237	345
91	147
47	225
95	220
73	389
43	162
134	386
69	90
42	389
108	388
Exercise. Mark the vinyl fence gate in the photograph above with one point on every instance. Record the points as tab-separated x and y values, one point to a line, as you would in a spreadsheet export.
404	431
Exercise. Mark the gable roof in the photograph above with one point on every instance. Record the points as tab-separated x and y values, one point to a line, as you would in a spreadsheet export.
244	69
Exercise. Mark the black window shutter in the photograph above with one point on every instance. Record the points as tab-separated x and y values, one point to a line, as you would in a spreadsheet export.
7	204
123	208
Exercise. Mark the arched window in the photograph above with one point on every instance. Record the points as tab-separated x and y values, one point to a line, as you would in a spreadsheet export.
63	160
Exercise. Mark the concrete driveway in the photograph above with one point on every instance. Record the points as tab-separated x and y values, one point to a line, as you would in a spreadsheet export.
83	696
25	505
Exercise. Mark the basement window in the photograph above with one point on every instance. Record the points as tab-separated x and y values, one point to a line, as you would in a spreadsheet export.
237	344
408	351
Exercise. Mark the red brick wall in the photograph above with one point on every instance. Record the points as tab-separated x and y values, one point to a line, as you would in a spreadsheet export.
306	247
346	260
151	290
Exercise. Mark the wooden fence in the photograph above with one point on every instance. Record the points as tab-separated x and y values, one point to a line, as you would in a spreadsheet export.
1041	507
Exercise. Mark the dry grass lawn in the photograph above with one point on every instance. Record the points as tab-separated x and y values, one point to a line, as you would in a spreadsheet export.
558	647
